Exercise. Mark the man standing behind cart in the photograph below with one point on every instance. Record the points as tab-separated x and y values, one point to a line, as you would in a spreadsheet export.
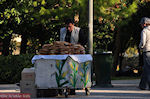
72	34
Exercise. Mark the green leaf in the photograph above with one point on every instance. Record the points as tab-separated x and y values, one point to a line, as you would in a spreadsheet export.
35	3
10	32
12	10
64	83
56	76
56	17
71	75
18	20
47	11
43	2
42	11
74	65
1	22
62	64
31	18
26	11
82	80
86	68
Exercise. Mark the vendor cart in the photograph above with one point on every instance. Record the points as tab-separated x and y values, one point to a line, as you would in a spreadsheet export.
63	72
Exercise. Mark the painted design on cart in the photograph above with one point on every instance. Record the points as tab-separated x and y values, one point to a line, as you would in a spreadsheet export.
60	75
84	74
74	66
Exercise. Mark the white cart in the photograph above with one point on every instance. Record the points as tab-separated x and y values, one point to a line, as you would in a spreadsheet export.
63	72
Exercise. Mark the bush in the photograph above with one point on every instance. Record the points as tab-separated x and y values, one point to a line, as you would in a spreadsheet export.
11	67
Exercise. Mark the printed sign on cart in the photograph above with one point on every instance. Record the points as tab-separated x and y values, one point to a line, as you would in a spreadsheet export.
14	96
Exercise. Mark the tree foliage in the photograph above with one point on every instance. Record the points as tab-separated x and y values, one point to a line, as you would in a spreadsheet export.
116	26
37	20
110	16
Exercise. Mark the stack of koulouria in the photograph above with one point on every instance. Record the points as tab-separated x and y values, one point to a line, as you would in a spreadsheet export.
61	48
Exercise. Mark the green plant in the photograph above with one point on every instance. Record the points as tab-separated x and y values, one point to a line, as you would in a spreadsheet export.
11	67
84	75
74	66
60	75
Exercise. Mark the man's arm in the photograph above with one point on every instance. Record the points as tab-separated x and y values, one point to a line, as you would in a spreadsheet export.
143	40
62	34
82	38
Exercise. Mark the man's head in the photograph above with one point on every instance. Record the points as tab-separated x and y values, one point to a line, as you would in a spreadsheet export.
144	22
69	25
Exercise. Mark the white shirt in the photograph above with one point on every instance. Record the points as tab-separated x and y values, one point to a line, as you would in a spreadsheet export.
145	39
74	34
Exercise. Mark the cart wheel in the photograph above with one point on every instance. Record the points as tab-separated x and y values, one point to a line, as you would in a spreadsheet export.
87	91
60	91
66	94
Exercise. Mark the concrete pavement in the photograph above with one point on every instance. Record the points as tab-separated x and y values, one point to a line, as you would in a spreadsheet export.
123	89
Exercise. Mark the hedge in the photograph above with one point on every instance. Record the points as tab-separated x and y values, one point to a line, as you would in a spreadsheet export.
11	67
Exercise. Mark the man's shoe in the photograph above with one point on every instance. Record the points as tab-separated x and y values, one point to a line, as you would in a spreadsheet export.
141	88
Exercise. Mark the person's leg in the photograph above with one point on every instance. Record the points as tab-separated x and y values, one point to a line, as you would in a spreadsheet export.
143	81
147	67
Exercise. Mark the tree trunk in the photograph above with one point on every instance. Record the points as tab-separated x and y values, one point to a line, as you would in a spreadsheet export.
116	52
23	44
6	44
120	62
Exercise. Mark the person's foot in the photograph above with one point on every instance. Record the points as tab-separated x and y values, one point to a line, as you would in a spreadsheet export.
141	88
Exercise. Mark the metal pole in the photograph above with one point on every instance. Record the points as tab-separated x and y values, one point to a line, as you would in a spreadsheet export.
91	27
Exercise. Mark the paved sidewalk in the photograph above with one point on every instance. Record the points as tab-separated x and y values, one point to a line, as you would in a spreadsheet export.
123	89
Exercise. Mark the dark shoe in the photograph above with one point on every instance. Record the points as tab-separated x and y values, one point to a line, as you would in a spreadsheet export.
18	84
141	88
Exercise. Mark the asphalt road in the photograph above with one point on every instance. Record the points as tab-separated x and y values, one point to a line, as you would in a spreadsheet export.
123	89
